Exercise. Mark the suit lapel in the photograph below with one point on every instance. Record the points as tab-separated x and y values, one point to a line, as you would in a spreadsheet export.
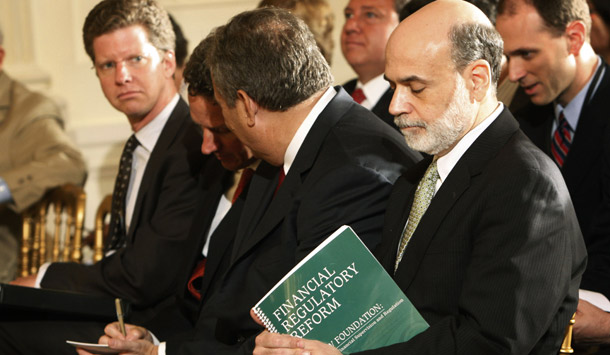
585	148
279	205
260	193
168	135
457	182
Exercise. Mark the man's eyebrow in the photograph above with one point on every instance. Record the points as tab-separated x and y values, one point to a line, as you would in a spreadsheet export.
521	51
408	79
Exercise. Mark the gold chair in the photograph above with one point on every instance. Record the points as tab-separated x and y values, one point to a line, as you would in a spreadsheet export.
101	227
566	346
53	229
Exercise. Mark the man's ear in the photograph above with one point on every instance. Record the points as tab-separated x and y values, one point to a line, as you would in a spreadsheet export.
478	79
250	107
576	34
169	63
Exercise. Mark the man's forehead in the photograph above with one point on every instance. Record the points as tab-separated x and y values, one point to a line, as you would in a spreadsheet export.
370	4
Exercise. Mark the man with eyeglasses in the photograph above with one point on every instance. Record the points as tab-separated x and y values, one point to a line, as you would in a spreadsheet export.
131	44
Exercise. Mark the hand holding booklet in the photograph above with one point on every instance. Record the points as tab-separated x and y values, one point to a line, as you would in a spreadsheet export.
340	294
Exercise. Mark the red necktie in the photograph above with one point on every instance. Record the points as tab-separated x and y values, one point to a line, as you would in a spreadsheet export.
246	176
194	284
358	95
562	140
280	180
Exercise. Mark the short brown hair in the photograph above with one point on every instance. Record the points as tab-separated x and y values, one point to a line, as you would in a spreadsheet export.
197	71
318	16
271	55
112	15
556	14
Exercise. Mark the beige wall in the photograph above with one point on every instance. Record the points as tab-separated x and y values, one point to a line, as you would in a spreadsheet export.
44	48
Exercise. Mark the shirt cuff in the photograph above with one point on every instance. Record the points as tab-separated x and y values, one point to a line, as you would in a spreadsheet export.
595	298
161	349
41	271
5	192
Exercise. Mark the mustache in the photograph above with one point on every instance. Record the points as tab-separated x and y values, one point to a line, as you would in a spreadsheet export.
402	121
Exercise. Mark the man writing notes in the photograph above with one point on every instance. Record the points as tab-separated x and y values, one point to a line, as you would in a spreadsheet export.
482	236
327	162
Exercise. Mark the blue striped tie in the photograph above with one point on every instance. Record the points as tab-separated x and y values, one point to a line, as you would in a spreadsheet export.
562	140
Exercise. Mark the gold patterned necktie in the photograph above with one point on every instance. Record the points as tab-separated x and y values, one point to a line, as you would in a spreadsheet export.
423	196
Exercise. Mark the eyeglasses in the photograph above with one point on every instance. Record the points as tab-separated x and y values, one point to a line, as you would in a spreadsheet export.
109	68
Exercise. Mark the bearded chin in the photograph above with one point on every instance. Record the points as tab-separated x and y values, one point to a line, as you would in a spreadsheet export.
440	134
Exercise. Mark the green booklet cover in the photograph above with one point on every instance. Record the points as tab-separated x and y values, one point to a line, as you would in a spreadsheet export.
341	295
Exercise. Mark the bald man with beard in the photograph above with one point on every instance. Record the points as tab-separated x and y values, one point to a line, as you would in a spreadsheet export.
494	262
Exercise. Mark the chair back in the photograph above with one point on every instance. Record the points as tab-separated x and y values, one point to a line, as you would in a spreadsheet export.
566	346
53	229
101	227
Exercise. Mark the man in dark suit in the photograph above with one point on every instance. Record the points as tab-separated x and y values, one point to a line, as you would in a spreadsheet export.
327	162
131	45
481	237
368	24
569	85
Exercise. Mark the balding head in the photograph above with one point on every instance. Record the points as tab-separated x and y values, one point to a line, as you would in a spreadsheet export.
444	63
456	26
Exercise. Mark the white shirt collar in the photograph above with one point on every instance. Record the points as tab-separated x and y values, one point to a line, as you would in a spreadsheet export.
572	110
446	163
148	135
373	90
299	136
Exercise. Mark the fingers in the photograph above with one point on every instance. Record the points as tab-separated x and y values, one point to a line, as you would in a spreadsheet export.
255	317
139	347
136	333
273	341
113	330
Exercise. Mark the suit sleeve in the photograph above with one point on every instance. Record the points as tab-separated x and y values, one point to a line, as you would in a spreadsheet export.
144	271
526	256
597	274
351	195
44	157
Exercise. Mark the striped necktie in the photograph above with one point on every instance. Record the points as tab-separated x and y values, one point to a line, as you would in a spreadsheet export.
562	140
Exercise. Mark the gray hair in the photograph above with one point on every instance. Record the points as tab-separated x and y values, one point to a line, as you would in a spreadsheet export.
474	41
271	55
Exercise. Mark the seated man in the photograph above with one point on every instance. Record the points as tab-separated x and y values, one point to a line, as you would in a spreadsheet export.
327	162
482	237
550	55
367	27
37	155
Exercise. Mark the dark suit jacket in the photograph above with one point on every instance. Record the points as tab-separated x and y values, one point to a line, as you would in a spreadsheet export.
587	174
381	108
495	262
342	174
182	312
158	235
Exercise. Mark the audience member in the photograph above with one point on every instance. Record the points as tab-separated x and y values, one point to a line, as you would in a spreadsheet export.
550	56
368	24
131	44
494	263
600	27
333	160
37	155
318	16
